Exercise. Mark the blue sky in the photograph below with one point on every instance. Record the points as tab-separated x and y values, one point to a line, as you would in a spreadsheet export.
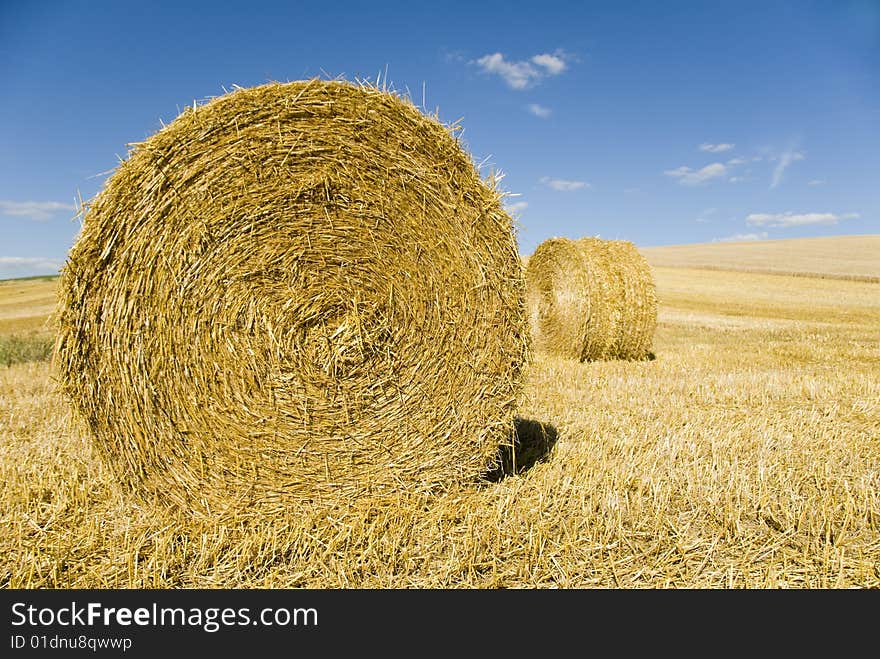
655	122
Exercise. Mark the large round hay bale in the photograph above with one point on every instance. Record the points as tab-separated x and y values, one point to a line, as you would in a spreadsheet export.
294	292
591	299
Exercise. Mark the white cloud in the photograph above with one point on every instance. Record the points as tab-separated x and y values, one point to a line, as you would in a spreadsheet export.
539	110
688	176
21	266
789	219
562	185
784	160
742	237
517	75
33	210
516	207
453	55
816	182
553	64
736	179
703	217
524	73
736	161
38	261
715	148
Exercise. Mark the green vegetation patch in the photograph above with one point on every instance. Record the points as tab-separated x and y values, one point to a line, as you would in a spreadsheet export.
20	348
33	278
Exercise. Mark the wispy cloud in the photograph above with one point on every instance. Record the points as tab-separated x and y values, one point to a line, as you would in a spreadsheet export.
688	176
741	237
453	55
38	261
552	64
24	266
704	216
716	148
523	74
516	207
783	162
816	182
562	185
539	110
39	211
789	219
733	162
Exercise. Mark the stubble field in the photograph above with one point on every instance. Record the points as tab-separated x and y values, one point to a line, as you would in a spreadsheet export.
746	455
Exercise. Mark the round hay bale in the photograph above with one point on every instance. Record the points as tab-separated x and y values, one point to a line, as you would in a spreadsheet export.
564	288
637	307
298	292
591	299
601	327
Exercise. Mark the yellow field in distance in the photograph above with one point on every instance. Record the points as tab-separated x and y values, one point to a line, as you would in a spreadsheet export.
25	304
845	257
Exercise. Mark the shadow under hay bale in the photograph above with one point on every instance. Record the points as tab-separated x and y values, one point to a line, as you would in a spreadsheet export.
532	442
295	294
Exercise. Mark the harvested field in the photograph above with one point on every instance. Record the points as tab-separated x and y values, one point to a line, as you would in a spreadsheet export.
838	257
25	333
25	305
747	455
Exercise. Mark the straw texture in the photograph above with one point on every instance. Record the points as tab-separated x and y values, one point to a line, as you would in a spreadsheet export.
298	292
591	299
637	301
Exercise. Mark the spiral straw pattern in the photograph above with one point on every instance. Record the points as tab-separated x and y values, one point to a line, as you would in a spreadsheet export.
295	293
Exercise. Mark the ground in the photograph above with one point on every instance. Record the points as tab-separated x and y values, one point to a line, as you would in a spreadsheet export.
746	455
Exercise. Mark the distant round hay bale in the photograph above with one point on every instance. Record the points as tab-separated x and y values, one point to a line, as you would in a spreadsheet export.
294	292
565	286
557	297
591	299
637	307
602	326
